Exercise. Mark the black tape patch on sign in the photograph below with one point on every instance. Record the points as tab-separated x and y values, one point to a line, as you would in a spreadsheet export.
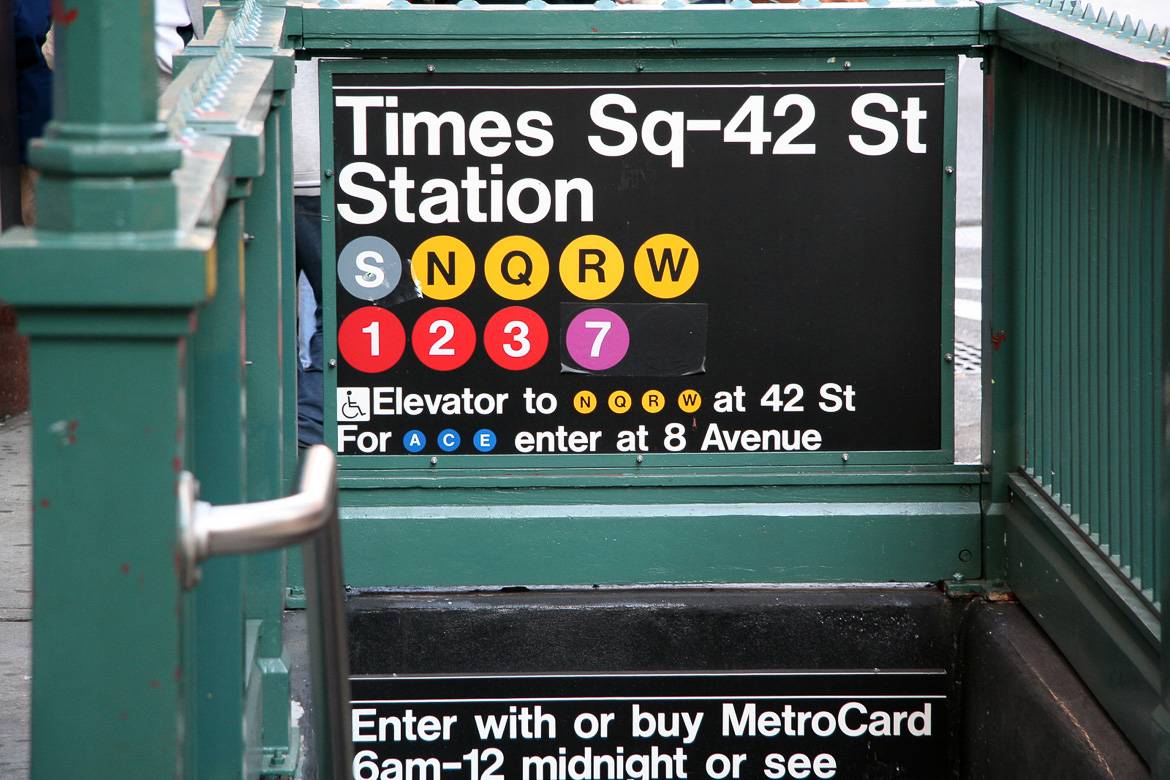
666	339
734	725
589	263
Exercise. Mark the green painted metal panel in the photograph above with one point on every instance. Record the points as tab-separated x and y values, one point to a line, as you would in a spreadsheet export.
1110	637
289	324
327	26
36	280
1156	470
267	286
219	446
1159	504
1126	62
293	560
290	352
830	477
254	30
1091	306
1002	344
234	96
121	89
105	455
616	544
106	160
808	532
252	710
1078	240
959	486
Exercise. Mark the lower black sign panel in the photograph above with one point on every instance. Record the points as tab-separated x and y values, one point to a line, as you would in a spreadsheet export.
822	724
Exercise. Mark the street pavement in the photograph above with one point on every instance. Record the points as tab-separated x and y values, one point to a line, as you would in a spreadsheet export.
15	594
968	271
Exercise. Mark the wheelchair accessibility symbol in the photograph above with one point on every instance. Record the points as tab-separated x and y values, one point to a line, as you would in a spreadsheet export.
353	403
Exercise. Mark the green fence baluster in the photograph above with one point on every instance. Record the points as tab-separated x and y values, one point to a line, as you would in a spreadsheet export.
1003	343
219	442
267	286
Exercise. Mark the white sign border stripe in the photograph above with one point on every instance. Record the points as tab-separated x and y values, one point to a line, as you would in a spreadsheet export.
550	87
793	697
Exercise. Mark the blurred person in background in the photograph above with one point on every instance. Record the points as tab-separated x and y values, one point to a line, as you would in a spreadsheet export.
34	88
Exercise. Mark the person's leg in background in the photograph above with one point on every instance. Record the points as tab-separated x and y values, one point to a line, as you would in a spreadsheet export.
34	88
310	380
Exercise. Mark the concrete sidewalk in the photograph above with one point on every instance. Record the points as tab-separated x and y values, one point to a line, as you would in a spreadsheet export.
15	594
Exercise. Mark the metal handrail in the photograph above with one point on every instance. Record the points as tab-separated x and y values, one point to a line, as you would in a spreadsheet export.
262	525
308	516
328	644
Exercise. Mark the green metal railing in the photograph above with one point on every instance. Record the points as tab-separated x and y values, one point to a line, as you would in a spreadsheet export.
1092	302
1077	253
159	228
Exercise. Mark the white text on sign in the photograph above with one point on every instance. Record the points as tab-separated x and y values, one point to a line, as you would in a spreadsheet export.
762	125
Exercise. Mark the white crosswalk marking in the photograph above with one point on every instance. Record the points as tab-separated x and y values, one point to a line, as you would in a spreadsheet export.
968	310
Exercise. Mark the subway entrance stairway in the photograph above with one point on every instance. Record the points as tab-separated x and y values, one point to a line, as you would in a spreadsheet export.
1012	706
645	339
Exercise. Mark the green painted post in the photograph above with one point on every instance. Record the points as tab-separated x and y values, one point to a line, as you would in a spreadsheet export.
271	743
288	260
218	453
106	160
267	286
107	333
106	645
1003	346
289	314
1162	464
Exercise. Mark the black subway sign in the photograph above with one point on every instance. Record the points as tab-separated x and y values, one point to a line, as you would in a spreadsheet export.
673	263
722	726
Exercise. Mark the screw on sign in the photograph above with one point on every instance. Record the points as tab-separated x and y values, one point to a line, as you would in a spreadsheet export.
515	338
371	339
